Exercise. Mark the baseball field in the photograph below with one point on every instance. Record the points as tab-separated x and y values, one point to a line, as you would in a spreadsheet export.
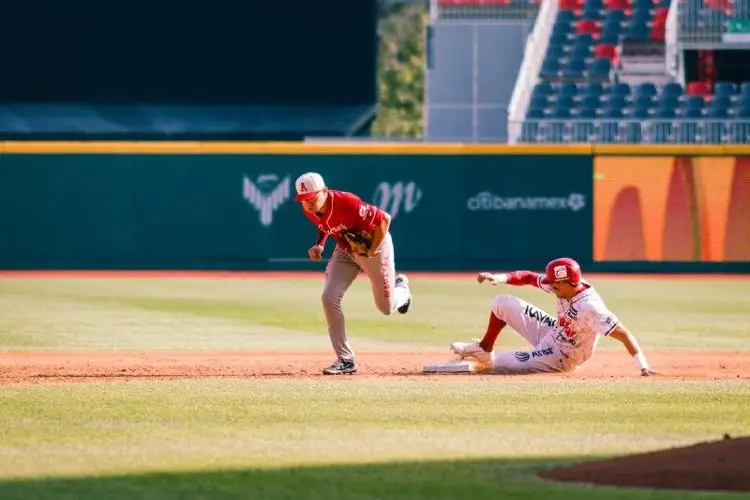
161	386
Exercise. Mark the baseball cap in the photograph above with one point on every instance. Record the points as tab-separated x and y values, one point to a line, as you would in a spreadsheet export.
308	185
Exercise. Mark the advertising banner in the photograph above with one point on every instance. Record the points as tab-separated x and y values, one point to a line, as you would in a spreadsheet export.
237	210
672	209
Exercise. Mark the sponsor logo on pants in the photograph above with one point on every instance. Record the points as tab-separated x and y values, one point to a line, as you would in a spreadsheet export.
524	356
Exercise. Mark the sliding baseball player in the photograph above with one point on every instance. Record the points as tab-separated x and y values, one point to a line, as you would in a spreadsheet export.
559	344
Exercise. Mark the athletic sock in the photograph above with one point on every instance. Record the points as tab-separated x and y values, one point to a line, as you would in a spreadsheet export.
494	327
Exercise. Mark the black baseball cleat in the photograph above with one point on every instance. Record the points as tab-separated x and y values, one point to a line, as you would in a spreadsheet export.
341	366
403	281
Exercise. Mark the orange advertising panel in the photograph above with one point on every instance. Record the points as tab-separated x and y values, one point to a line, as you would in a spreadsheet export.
668	208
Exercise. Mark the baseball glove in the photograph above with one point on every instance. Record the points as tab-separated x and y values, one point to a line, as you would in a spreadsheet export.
359	242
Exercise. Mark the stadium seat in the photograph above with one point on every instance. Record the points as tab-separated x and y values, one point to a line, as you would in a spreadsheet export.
600	69
720	102
726	89
638	31
564	101
591	101
615	101
641	113
618	4
698	88
593	88
587	112
616	15
694	102
543	88
694	113
550	69
587	26
620	89
568	89
644	102
566	16
575	68
605	51
646	89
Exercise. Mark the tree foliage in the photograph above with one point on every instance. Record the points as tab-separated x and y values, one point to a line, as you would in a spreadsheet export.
401	70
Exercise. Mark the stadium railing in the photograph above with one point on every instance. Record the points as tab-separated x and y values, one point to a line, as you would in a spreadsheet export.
631	131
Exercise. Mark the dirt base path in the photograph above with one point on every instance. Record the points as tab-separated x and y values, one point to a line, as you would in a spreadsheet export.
63	367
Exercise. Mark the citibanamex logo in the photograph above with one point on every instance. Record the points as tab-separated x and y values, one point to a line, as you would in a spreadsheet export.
266	194
397	197
486	201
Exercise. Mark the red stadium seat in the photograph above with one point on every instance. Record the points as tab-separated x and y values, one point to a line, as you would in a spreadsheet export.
699	88
570	4
587	26
618	4
605	50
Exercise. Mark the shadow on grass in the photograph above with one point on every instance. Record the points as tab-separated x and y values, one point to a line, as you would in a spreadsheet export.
471	479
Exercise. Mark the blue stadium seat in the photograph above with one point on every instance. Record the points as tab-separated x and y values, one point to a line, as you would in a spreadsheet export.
591	101
717	113
550	69
561	28
620	89
668	102
581	51
535	113
600	69
743	112
612	26
641	12
593	88
539	102
614	15
615	101
575	68
542	88
721	102
672	89
641	113
665	112
554	52
558	39
568	89
745	88
583	39
560	113
564	101
591	13
692	113
644	101
638	31
565	16
612	113
610	38
647	89
599	4
588	112
741	102
725	89
694	102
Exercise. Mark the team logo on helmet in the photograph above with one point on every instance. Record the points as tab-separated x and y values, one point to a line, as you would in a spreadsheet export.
561	272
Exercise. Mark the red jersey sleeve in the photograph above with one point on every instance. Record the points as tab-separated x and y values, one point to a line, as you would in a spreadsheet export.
522	278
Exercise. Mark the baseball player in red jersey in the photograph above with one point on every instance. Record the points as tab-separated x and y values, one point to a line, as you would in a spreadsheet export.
363	243
559	344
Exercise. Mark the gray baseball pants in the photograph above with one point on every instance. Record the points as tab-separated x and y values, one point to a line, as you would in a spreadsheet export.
341	272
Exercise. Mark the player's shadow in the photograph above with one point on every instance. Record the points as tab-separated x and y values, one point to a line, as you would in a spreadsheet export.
449	480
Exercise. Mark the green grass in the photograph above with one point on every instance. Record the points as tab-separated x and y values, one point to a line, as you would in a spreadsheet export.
342	438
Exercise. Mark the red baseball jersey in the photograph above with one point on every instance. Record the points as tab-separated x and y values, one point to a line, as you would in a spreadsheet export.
347	212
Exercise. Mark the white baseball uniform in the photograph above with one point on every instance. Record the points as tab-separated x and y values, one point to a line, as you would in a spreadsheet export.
559	344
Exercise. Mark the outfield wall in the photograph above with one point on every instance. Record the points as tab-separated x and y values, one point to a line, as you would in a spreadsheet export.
454	207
